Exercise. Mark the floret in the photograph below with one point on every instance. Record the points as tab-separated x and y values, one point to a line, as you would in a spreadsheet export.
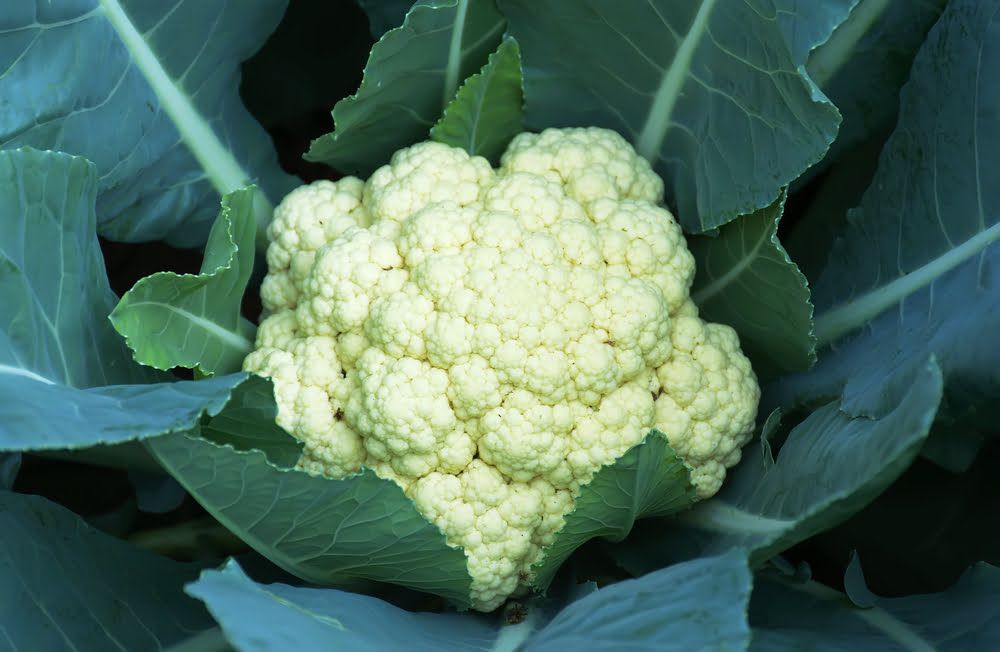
489	339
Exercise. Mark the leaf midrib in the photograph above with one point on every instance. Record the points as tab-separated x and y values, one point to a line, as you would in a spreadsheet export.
221	168
857	311
707	292
877	617
230	338
658	120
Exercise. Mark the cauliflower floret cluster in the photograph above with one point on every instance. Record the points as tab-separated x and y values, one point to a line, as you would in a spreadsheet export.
489	339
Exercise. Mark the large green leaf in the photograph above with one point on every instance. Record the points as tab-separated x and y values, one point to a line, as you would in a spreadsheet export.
830	466
40	416
336	531
277	616
488	110
411	76
916	270
649	480
325	531
10	464
695	605
866	61
67	586
148	92
66	378
248	422
384	15
708	91
54	327
790	614
811	24
746	279
197	316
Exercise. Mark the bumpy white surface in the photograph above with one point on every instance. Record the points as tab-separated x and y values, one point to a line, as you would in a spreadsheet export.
490	338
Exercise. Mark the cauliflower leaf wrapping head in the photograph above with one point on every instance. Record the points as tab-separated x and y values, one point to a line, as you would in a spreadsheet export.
489	339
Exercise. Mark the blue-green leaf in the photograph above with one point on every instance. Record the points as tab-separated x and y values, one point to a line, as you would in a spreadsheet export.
809	24
148	92
10	464
692	606
488	110
384	15
789	614
710	92
411	76
695	605
866	61
649	480
66	378
830	466
916	270
330	532
67	586
249	422
40	416
277	616
745	279
197	316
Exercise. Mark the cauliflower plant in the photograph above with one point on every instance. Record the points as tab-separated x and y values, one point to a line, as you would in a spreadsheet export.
488	339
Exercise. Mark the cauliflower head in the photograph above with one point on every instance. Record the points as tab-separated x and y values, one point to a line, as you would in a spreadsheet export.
489	339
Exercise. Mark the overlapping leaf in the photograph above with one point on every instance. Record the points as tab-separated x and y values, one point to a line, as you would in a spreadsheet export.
411	76
867	60
488	110
148	92
336	532
193	320
710	92
68	586
916	270
649	480
789	614
830	466
745	279
325	531
66	378
384	15
706	609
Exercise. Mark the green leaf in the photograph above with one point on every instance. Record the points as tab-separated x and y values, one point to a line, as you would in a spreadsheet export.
52	278
148	92
10	464
925	530
383	15
649	480
488	110
917	270
411	76
248	422
40	416
787	614
708	91
864	64
329	532
68	586
830	466
810	25
706	609
197	316
745	279
278	616
696	605
66	378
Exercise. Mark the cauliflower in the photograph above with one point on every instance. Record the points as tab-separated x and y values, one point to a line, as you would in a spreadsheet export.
489	339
